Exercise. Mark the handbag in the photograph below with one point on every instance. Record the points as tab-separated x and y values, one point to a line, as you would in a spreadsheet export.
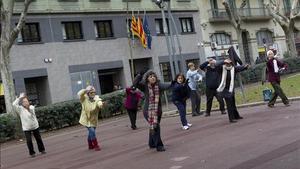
267	94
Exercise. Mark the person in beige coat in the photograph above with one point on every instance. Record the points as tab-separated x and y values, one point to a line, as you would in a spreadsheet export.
91	105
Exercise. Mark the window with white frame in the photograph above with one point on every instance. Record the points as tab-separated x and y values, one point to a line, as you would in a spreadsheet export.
80	80
187	25
264	36
103	29
72	30
29	33
221	38
159	26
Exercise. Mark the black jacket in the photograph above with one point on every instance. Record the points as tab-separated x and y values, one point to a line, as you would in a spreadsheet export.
212	76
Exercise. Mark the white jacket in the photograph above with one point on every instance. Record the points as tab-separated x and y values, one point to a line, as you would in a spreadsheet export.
28	118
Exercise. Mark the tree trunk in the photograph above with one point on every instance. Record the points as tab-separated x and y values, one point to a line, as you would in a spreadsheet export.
7	79
290	41
240	43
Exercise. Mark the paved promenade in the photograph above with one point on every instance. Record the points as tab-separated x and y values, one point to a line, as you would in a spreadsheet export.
265	139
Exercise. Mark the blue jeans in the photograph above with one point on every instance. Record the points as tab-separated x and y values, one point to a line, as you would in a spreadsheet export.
92	133
181	106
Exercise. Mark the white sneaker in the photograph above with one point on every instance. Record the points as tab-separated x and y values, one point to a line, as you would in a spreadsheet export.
189	124
185	127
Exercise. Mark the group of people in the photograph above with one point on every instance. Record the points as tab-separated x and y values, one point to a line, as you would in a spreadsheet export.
219	83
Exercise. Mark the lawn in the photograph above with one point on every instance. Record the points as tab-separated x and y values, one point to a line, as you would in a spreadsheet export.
253	92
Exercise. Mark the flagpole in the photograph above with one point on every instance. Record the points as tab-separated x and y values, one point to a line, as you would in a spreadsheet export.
130	45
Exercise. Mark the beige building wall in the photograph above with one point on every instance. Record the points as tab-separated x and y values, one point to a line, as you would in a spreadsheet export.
252	26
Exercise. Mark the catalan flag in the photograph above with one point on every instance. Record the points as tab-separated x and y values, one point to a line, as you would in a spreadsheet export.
142	33
134	26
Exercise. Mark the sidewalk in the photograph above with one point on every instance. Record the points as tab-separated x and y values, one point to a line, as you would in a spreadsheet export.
171	110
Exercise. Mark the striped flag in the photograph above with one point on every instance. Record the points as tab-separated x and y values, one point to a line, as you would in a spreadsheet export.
142	33
134	26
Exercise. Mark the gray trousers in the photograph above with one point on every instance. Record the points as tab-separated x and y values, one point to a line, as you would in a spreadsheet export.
196	101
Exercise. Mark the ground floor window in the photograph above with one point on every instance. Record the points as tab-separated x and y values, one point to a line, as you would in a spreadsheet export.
81	80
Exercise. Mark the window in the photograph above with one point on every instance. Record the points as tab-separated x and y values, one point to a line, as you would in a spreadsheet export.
103	29
166	71
264	36
187	25
159	26
80	80
29	33
195	61
72	30
221	38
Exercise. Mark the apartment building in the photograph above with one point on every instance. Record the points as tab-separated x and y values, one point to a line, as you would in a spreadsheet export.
68	44
260	32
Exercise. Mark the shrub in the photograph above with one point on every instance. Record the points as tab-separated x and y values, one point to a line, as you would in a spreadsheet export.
63	114
7	127
254	74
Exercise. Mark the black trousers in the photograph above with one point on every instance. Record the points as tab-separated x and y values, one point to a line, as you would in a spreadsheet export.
38	138
132	117
278	92
231	106
196	101
210	94
154	135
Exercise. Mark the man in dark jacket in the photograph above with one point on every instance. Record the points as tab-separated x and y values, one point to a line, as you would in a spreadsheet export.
274	66
212	83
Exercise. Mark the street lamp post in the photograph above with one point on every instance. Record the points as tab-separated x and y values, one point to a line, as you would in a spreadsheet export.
161	4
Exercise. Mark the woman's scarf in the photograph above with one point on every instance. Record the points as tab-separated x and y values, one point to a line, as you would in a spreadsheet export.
276	68
153	104
224	76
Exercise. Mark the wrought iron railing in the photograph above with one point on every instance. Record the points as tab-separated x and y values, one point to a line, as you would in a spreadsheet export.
245	12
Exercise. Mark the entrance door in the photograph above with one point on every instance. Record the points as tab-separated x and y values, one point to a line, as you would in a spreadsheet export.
246	47
106	83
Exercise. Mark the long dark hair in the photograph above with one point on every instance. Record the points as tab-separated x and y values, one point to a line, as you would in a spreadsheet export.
180	74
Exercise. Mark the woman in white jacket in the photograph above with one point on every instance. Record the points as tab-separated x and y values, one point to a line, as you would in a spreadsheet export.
29	123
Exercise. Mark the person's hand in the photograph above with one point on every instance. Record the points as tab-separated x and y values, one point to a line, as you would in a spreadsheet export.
22	95
89	88
247	66
187	81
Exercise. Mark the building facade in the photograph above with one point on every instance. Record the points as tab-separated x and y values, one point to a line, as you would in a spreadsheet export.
260	32
68	44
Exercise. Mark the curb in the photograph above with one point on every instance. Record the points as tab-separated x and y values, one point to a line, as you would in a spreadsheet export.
173	113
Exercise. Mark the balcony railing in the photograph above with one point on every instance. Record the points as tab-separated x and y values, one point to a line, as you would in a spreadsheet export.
245	13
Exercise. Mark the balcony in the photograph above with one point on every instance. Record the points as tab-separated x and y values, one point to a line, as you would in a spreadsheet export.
247	14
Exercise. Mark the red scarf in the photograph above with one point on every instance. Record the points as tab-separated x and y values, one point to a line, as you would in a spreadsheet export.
153	104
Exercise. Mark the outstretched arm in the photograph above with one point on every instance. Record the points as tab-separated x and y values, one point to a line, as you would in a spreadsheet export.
241	68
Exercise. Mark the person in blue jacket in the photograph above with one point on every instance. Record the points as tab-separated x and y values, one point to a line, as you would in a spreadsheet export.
179	97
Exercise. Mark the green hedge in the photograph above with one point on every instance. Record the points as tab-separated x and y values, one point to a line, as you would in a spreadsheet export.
254	74
7	127
63	114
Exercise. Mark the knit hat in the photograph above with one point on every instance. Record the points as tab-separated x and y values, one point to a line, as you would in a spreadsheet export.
147	74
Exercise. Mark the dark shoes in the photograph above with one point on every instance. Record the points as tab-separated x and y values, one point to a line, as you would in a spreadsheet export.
207	115
133	127
271	105
195	114
232	121
160	149
32	155
43	152
223	112
240	117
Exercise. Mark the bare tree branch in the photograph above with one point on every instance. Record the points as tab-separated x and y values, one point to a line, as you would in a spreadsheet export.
235	20
277	16
294	11
14	33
